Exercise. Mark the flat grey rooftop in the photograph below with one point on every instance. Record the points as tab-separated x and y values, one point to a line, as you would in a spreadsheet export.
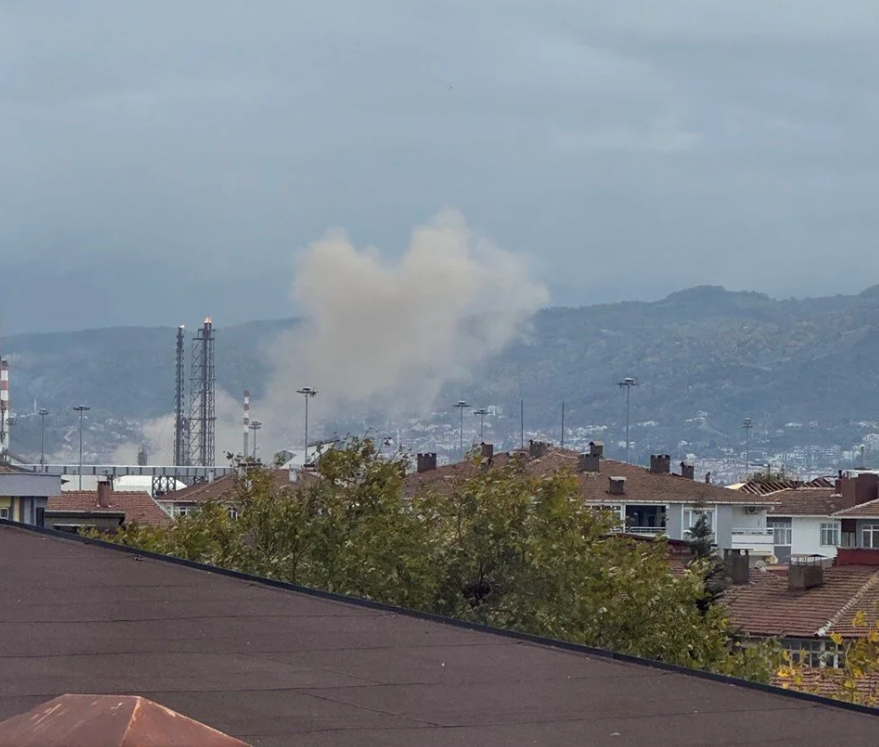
277	667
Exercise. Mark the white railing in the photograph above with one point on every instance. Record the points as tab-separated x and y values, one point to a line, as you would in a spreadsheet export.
652	531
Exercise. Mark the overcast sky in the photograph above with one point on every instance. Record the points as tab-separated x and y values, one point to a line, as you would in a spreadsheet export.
164	159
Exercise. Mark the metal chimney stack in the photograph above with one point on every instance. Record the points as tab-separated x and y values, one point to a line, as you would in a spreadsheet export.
4	409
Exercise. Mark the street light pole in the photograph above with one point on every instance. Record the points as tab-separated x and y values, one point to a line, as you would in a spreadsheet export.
81	409
481	412
461	404
308	392
747	425
627	383
255	425
43	414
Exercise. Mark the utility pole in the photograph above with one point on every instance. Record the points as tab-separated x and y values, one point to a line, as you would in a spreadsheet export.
747	425
81	409
308	392
43	414
627	384
522	423
481	412
461	405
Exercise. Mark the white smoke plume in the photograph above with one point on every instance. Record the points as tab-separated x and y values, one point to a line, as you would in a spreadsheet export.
395	332
379	333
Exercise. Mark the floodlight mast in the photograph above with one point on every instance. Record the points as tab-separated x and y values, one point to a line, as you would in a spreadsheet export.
461	405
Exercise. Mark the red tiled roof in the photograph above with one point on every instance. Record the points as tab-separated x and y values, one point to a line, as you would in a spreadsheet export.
828	682
222	489
806	502
139	507
642	486
765	606
868	510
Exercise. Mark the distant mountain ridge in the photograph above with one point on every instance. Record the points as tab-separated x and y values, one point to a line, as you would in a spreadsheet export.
704	349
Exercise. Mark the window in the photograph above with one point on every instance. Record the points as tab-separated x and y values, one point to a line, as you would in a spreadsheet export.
691	516
232	511
870	536
4	513
812	652
181	510
830	534
781	531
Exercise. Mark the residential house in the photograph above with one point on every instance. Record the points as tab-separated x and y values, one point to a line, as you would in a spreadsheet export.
224	490
817	517
104	509
803	603
649	501
23	494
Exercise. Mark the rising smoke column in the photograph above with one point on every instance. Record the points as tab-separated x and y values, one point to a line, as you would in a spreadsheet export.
396	332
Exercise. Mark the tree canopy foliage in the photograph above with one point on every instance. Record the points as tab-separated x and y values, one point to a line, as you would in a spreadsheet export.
496	546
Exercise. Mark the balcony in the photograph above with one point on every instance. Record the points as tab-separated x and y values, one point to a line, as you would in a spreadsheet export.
758	540
645	531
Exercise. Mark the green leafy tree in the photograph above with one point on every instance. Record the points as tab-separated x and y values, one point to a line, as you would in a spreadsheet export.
497	546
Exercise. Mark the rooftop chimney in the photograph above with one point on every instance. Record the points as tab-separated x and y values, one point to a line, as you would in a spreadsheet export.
426	462
596	448
806	573
857	489
660	464
617	486
537	449
105	492
688	470
738	565
588	463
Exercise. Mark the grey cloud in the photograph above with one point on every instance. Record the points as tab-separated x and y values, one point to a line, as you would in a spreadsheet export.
632	147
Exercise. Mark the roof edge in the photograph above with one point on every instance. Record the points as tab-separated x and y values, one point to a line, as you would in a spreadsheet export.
463	624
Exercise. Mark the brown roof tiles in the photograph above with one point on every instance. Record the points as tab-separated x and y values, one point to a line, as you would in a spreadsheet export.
765	606
222	489
139	507
642	486
806	502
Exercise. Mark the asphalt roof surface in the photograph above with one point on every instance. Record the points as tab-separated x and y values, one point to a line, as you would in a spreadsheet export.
276	667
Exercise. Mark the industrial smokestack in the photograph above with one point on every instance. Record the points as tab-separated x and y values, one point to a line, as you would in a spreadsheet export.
4	409
246	423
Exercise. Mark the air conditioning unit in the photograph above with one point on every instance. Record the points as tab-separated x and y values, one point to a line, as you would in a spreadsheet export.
752	509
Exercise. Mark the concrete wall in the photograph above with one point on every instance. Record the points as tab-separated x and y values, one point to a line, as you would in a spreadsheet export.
674	520
724	524
744	520
806	536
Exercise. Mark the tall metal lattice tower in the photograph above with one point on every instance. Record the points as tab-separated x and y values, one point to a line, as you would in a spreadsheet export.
181	440
202	407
